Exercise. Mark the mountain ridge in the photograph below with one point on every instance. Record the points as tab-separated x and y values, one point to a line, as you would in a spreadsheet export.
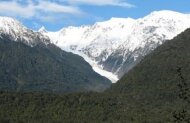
118	44
30	62
18	32
154	91
111	54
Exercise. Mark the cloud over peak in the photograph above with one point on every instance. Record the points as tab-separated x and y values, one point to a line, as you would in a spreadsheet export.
53	10
120	3
36	9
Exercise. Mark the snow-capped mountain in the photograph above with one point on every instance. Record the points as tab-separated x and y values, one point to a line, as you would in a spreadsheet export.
40	65
94	43
113	47
147	33
17	32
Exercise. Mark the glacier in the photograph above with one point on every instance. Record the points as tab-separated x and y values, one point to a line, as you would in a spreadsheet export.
111	47
115	46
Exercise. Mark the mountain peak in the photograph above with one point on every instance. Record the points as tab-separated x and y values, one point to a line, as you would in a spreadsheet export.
119	19
115	21
42	30
7	20
165	11
7	23
166	14
16	31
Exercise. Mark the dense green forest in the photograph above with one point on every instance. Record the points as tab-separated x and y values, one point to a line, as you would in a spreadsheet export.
45	68
157	90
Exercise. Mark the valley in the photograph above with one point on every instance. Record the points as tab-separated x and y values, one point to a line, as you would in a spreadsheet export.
149	93
103	47
94	61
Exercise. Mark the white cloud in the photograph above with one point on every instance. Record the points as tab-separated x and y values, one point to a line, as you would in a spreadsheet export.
39	9
52	10
12	8
54	7
120	3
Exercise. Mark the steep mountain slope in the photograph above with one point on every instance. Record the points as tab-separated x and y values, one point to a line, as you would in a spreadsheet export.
94	43
160	82
118	44
29	62
158	70
17	32
148	33
152	92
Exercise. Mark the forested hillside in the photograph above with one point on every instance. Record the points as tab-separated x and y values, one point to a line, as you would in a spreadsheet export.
156	91
45	68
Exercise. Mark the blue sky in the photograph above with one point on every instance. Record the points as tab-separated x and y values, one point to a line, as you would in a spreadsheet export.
56	14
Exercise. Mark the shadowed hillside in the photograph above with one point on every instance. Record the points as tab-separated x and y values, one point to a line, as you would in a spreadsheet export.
45	68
